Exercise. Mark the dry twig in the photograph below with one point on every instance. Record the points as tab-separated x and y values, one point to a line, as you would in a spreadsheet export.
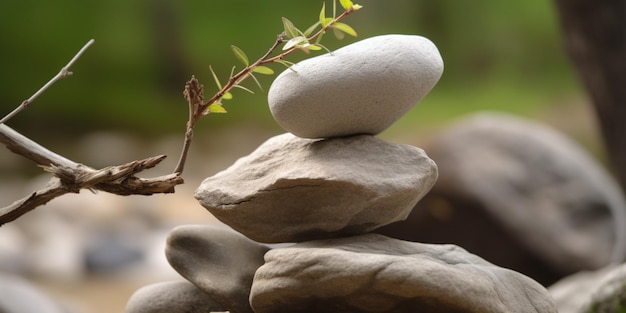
71	177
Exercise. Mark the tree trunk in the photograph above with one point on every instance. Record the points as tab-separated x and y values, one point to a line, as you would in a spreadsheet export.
595	36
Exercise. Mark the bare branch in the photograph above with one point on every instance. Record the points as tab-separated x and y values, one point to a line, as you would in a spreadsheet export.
71	177
118	180
62	74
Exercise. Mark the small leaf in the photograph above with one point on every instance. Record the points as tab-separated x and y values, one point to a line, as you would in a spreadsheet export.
323	15
227	96
357	7
316	47
311	29
296	41
263	70
217	81
287	64
216	108
241	56
346	4
290	30
244	88
340	35
256	81
345	28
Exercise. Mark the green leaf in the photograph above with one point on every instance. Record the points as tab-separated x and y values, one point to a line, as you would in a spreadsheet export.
241	56
340	35
256	81
216	108
244	88
263	70
286	63
323	15
296	41
314	47
346	4
345	28
311	29
217	81
227	96
290	30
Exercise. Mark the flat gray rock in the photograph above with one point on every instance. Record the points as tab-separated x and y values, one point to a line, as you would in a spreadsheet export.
374	273
545	193
217	260
600	291
172	297
293	189
362	88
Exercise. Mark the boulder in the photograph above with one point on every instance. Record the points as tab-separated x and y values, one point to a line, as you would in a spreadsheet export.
295	189
172	297
217	260
521	195
362	88
374	273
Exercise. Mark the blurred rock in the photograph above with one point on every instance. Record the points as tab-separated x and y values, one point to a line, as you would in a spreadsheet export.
362	88
592	292
219	261
520	195
294	189
19	296
374	273
172	297
112	251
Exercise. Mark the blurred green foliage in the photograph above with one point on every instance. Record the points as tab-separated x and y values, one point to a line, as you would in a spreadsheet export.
504	55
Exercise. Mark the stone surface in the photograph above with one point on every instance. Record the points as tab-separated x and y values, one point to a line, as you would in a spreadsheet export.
521	195
172	297
362	88
19	296
592	292
374	273
294	189
217	260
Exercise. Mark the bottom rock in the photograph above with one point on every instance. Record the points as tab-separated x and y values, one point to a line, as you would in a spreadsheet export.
374	273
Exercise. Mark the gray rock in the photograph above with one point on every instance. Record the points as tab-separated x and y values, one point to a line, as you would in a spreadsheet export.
294	189
544	207
374	273
362	88
600	291
19	296
217	260
171	297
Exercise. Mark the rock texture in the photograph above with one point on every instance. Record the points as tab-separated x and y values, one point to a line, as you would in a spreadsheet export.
521	195
294	189
172	297
218	261
374	273
362	88
600	291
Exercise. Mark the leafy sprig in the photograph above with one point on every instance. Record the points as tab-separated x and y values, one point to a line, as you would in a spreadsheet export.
292	38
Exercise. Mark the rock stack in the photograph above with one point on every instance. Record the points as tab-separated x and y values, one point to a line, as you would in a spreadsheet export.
322	188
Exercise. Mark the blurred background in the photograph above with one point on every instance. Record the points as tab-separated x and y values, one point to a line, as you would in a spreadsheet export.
124	102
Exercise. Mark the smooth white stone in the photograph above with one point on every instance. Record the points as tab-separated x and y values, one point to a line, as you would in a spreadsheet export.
362	88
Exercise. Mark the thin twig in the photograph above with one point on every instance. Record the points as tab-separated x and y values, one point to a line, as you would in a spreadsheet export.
197	111
62	74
